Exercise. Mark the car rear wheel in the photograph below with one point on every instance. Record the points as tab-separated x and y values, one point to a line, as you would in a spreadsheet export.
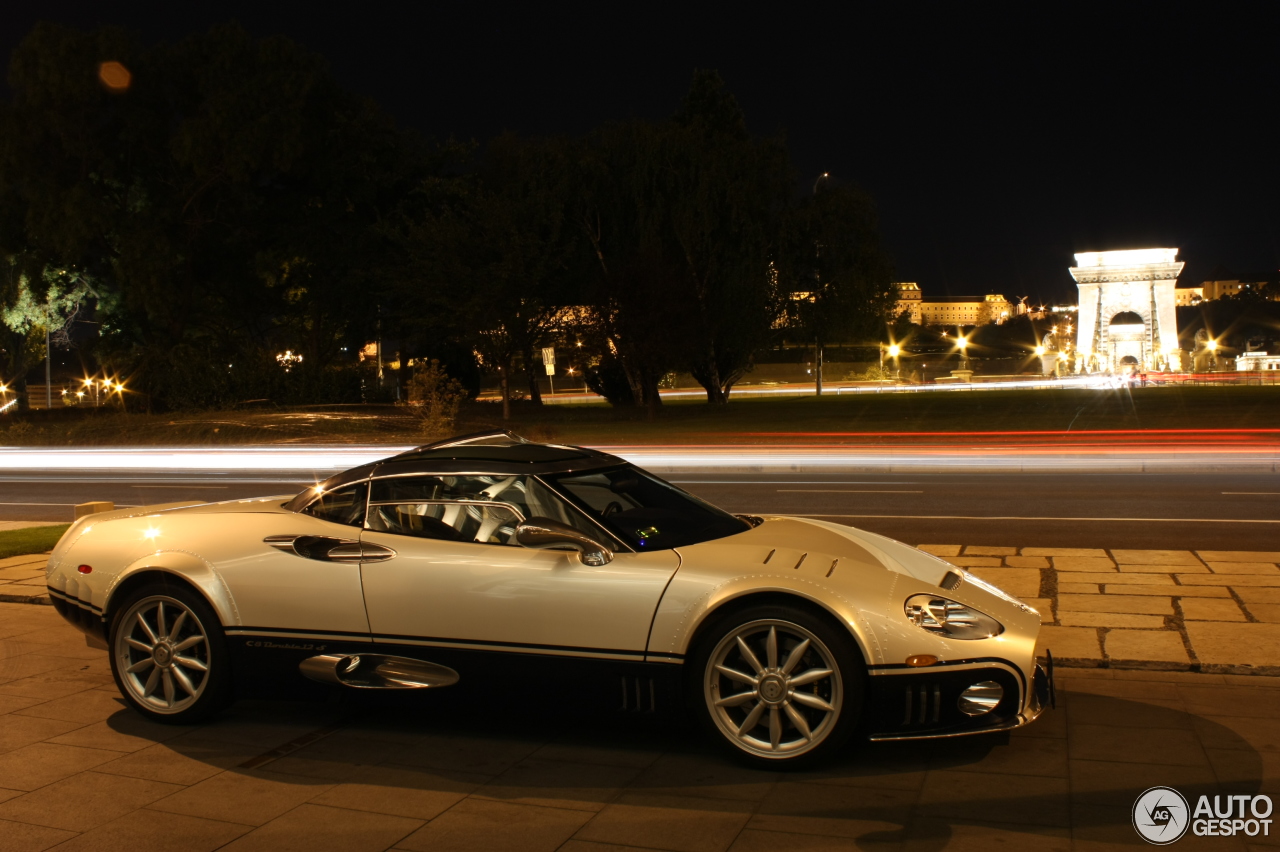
779	685
168	655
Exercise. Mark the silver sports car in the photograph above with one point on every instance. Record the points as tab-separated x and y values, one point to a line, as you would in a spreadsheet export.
487	559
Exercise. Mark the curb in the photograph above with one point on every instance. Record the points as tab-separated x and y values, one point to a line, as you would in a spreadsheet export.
39	600
1161	666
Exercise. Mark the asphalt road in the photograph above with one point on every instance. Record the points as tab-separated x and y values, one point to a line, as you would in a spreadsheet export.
1184	511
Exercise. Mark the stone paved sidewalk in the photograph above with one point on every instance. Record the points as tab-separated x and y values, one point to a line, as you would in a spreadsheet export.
22	579
78	771
1206	610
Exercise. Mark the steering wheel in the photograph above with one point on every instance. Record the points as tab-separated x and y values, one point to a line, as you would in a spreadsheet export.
612	509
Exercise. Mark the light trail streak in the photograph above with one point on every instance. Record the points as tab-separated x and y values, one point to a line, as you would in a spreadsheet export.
294	464
1040	518
1097	382
1037	433
121	505
193	459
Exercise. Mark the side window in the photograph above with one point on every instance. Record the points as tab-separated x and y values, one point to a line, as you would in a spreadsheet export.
483	523
476	489
341	506
545	503
482	509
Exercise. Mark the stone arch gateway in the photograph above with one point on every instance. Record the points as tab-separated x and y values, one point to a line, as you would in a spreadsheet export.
1127	309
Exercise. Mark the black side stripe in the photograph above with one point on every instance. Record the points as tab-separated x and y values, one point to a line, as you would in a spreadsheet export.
391	637
72	599
239	628
941	663
395	638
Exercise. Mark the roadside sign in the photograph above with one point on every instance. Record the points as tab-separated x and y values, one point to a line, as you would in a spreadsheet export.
549	357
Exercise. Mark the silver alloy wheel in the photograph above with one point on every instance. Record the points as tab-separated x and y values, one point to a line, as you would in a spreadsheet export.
162	654
773	688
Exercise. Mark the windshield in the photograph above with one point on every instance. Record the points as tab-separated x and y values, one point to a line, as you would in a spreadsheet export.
644	511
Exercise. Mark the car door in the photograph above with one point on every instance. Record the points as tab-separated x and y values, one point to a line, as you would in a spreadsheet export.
302	572
448	572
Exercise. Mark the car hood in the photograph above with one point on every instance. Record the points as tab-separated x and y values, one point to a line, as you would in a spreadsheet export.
844	560
861	577
795	543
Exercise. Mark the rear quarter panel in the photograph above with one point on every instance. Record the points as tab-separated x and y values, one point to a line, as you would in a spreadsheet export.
223	554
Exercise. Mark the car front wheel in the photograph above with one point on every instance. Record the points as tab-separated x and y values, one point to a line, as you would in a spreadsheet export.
168	655
779	685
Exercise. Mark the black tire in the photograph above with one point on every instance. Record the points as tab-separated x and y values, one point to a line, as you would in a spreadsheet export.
830	647
184	633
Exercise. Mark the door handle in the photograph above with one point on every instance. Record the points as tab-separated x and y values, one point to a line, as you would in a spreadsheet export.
347	551
327	549
375	552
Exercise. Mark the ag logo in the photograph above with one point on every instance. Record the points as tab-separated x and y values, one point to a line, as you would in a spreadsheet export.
1161	816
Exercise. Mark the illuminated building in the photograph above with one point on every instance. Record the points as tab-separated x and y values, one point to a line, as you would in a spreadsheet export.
966	310
1186	297
1235	286
909	297
1257	361
1127	317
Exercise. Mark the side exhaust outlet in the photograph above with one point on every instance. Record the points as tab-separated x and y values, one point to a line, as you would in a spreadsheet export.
376	671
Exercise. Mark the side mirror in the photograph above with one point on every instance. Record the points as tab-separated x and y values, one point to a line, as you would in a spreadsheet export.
546	534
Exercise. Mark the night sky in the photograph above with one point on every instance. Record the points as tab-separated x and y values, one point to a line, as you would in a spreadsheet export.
995	140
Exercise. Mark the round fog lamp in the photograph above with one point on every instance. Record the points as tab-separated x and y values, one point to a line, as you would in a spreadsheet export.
980	698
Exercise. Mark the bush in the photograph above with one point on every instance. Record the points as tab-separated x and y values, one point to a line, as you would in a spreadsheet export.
610	381
874	373
434	398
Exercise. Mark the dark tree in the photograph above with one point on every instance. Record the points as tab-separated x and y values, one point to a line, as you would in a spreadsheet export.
221	201
730	194
839	275
487	255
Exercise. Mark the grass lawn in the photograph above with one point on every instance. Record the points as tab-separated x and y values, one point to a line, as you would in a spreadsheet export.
869	417
884	416
30	540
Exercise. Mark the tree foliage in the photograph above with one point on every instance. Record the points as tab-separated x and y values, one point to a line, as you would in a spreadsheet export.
836	267
233	201
222	206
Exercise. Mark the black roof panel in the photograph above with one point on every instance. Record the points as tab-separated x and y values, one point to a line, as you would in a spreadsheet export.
494	456
514	454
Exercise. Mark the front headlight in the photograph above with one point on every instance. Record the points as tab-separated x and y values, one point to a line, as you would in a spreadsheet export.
953	620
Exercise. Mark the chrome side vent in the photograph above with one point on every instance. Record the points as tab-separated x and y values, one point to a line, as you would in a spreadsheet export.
803	557
770	556
376	671
639	695
951	580
922	705
832	569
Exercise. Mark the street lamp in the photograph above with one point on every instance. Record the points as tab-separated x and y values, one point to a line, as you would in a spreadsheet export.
963	343
288	360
